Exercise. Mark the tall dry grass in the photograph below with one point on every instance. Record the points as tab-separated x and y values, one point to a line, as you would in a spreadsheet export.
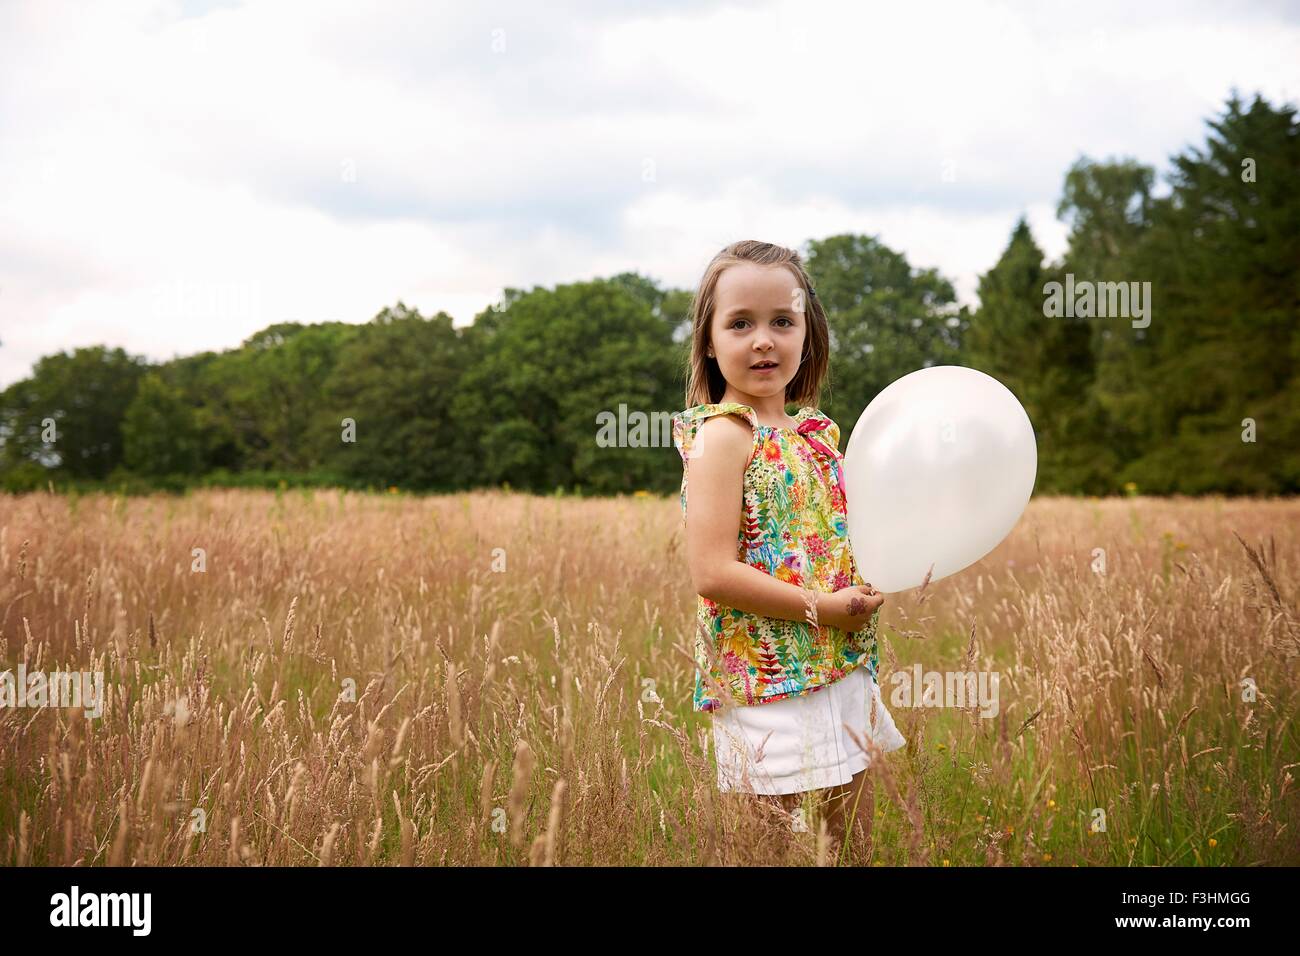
531	705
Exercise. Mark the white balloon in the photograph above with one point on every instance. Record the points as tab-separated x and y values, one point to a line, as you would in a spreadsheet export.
937	471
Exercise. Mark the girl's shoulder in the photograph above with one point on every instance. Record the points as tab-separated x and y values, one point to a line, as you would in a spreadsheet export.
686	424
698	413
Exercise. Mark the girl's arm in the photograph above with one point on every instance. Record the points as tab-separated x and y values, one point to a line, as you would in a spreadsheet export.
714	501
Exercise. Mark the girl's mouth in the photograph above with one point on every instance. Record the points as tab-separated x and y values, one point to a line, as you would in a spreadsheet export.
764	368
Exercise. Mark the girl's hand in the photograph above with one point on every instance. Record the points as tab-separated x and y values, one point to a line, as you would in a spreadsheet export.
849	609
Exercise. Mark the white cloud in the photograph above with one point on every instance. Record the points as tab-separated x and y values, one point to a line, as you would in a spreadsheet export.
179	175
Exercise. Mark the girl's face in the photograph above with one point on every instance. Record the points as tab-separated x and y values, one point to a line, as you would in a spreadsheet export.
755	321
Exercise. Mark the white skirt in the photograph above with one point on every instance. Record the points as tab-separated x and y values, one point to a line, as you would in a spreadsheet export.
800	743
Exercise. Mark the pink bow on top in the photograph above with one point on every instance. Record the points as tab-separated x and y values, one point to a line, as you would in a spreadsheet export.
806	429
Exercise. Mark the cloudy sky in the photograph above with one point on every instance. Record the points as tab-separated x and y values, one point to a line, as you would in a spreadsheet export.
177	175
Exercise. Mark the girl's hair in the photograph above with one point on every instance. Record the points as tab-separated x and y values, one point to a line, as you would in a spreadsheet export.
705	384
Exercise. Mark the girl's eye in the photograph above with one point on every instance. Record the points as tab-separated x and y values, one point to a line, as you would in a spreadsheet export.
784	318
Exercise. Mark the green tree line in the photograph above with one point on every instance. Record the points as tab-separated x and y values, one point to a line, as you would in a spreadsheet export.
1167	362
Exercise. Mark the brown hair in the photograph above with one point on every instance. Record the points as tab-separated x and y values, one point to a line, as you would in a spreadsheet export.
704	383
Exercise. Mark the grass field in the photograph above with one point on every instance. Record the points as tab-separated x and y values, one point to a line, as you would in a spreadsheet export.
507	652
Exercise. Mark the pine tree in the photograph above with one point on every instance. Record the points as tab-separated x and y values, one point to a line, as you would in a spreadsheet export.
1045	362
1223	257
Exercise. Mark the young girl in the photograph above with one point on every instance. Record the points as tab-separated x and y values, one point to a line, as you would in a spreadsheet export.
768	548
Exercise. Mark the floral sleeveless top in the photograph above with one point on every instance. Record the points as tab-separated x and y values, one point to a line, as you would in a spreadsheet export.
792	527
